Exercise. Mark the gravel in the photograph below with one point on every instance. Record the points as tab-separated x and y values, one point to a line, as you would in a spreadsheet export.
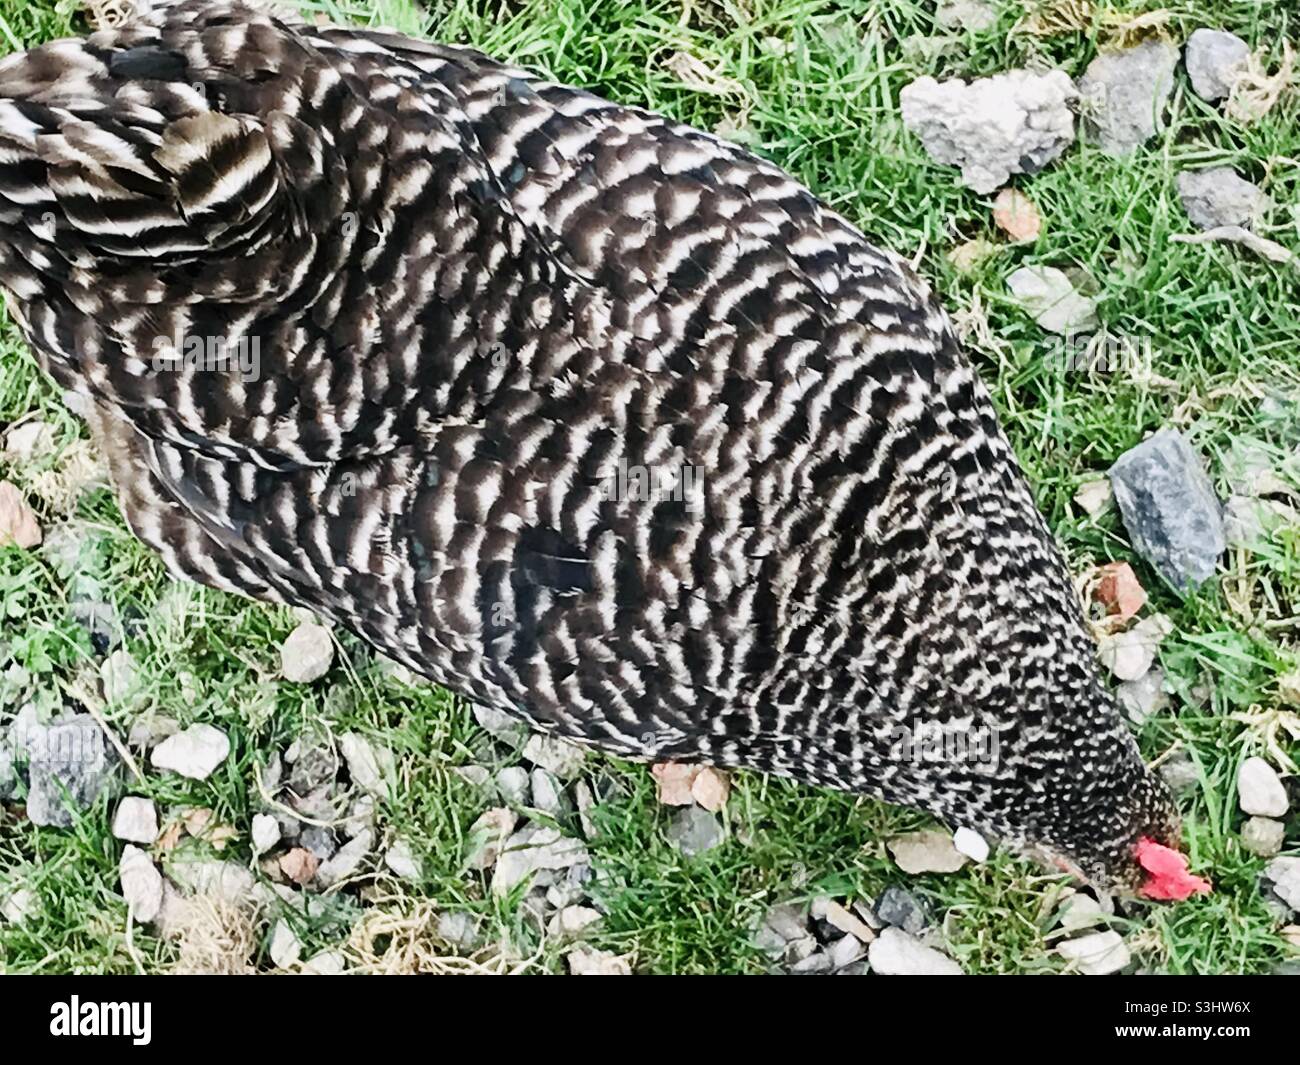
1262	836
532	849
285	947
928	851
1169	508
1097	954
1122	94
1012	123
1219	196
558	756
136	820
69	764
347	860
1260	792
401	860
513	784
307	653
899	908
1049	297
369	766
1285	875
1214	59
266	833
694	830
971	844
896	953
142	884
548	797
195	752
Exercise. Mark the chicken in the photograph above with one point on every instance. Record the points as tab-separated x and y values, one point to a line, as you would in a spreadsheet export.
589	416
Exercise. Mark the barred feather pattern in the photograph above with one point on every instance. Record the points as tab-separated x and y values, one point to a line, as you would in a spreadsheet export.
482	306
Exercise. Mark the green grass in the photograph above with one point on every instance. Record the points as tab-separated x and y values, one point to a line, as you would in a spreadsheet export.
813	85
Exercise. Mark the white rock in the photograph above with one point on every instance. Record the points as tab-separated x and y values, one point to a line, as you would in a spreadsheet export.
845	951
136	820
965	14
370	767
1259	791
512	783
1214	59
1011	123
460	929
286	947
584	962
142	884
1093	496
561	757
266	833
1097	954
193	753
548	798
400	859
1049	297
500	725
1144	696
971	844
895	953
533	849
1081	911
488	835
307	654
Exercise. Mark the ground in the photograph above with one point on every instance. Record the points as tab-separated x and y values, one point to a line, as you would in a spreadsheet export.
813	85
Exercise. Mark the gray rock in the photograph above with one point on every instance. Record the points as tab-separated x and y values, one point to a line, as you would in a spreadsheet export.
266	833
142	884
901	909
1219	196
1012	123
320	841
69	764
1123	94
1214	59
1259	790
326	963
532	849
8	774
370	767
845	951
812	965
1050	298
693	830
347	860
194	752
459	930
401	860
119	676
1169	508
513	784
1285	875
20	906
548	797
307	653
895	953
136	820
1180	773
1144	696
1263	836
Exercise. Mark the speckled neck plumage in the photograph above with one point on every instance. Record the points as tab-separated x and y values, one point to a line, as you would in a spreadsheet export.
486	312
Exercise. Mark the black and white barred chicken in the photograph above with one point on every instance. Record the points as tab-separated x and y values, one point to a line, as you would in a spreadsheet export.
592	417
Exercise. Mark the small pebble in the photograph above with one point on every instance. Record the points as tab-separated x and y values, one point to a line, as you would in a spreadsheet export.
142	884
559	756
1214	60
193	753
1049	297
971	844
136	820
400	859
286	947
369	766
928	851
896	953
1097	954
548	797
307	653
326	963
266	833
1259	790
694	830
459	929
513	784
1263	836
347	861
900	908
